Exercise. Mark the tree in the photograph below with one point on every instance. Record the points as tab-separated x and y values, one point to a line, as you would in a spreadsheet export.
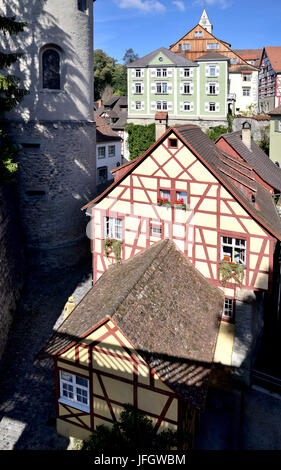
119	80
11	94
133	433
215	132
103	71
130	56
140	138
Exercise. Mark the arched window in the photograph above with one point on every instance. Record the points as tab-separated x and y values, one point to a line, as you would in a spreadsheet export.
51	69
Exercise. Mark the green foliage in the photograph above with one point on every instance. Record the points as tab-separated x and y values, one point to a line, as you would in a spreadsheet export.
216	132
116	246
228	269
10	95
230	122
133	433
264	143
108	72
140	138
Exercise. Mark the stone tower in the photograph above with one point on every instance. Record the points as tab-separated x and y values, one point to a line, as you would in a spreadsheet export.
53	126
205	22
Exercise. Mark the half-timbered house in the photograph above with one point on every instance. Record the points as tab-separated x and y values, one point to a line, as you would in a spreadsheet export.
270	79
145	334
218	214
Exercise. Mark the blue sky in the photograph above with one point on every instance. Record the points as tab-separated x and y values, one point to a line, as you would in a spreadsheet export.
145	25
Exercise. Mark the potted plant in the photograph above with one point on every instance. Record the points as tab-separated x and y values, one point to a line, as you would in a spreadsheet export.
163	202
114	245
180	204
228	269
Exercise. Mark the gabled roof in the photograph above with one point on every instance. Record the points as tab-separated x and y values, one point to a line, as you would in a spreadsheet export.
104	131
208	32
274	55
164	306
212	55
256	158
209	154
275	111
176	59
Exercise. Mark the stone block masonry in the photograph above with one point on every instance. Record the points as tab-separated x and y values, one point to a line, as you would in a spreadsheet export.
12	260
56	177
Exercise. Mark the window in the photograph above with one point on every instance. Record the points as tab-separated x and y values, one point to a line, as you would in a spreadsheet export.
165	194
246	91
182	195
233	250
179	47
113	228
186	73
162	88
234	61
82	5
278	126
186	46
111	150
173	143
156	230
246	77
51	69
161	105
102	174
161	72
212	71
212	107
138	105
138	88
138	73
198	34
213	45
186	88
101	152
74	389
211	88
228	310
187	106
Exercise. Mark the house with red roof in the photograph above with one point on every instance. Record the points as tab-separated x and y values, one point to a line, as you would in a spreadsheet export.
270	79
216	210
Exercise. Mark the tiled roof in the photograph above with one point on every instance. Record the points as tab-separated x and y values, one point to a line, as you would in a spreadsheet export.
256	158
176	59
104	131
212	56
165	307
117	108
275	111
274	55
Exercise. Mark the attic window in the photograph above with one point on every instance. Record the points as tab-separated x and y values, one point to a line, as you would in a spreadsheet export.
253	198
160	59
173	143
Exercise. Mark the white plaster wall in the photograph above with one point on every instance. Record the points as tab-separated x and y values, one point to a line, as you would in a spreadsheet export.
110	162
236	86
56	22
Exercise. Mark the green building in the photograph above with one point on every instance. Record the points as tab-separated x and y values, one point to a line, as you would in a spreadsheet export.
189	92
275	135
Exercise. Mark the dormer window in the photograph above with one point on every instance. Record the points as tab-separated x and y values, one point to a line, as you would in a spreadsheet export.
82	5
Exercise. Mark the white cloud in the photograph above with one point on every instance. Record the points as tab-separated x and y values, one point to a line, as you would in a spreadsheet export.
179	4
142	5
221	3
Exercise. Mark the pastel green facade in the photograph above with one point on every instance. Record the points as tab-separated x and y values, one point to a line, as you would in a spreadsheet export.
180	90
275	139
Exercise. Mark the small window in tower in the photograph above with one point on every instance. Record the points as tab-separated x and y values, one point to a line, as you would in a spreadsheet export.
51	69
82	5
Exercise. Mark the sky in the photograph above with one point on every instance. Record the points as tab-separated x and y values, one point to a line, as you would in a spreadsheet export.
146	25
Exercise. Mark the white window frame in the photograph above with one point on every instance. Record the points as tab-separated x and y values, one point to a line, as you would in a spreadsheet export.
246	91
212	67
161	105
212	104
228	309
234	244
138	105
247	79
165	194
102	147
138	85
186	46
213	45
187	86
163	87
113	228
70	387
138	73
210	86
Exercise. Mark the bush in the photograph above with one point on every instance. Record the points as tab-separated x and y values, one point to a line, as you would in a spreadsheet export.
216	132
133	433
140	138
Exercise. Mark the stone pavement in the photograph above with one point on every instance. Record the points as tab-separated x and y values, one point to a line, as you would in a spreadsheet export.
27	400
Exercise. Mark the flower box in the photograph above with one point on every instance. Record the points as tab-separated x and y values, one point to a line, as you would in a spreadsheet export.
163	202
110	244
229	269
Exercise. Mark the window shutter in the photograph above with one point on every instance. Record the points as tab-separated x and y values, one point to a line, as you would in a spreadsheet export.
191	88
217	88
217	70
207	70
181	106
207	88
170	88
169	72
133	88
142	73
153	88
170	106
153	105
142	105
217	106
133	105
191	71
133	73
153	73
142	88
181	72
206	107
192	106
181	88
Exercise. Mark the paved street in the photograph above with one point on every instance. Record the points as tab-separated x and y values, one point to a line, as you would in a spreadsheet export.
27	402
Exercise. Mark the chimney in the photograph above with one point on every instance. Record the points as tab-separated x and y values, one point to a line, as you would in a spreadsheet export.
161	124
246	134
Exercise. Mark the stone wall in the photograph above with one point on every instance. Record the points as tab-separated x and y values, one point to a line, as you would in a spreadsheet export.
12	265
259	127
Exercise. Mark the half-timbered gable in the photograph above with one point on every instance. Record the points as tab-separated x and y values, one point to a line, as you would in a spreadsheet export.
140	336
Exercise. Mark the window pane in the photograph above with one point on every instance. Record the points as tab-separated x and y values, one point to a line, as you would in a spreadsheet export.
66	376
51	69
81	381
182	195
165	194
